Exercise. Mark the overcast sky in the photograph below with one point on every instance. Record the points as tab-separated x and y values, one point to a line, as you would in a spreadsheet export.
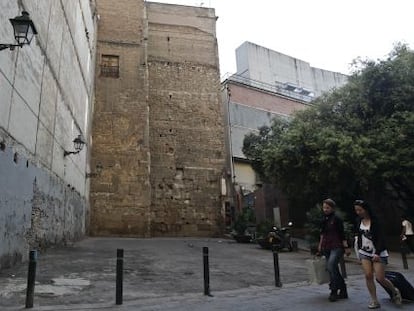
328	34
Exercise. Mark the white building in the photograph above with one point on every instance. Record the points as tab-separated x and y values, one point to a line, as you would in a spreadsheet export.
267	84
46	92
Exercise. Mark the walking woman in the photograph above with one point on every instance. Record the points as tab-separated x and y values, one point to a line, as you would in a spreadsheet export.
333	244
407	233
372	252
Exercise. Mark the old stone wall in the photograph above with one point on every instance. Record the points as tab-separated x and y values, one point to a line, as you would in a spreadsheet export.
186	128
120	194
158	131
46	90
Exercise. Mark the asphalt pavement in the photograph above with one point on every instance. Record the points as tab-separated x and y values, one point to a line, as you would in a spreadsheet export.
168	274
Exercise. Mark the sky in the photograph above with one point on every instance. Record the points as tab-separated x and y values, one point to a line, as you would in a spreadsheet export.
328	34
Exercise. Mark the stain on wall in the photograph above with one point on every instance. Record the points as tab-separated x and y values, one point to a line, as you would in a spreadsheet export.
37	209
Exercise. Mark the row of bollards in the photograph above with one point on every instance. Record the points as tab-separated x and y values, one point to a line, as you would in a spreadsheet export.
206	272
206	269
119	275
31	277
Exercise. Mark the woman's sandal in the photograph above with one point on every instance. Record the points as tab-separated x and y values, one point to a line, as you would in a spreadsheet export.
397	299
374	305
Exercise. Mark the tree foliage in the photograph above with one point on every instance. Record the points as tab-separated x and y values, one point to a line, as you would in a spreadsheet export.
354	141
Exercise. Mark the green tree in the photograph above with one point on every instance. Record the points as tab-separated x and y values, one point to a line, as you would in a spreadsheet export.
354	141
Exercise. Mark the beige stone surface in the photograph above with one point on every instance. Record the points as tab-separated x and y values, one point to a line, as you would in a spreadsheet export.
158	130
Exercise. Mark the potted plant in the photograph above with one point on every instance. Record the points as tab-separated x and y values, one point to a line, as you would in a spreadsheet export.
244	227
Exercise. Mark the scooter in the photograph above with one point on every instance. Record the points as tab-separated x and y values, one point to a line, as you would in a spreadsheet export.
278	238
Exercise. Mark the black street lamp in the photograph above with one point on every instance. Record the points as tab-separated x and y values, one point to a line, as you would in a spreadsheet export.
24	30
78	143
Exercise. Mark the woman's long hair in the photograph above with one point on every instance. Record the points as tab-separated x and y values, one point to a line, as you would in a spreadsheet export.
366	207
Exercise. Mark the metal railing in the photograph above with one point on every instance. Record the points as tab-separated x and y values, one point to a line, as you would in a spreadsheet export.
277	87
110	71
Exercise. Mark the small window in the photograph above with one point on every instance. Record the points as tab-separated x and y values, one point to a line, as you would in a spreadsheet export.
110	66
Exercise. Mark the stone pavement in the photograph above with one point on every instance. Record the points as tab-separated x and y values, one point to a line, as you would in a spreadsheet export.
167	274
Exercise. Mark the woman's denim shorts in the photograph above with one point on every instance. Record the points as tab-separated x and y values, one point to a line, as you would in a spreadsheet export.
384	260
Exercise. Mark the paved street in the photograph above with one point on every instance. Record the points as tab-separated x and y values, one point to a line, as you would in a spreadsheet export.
167	274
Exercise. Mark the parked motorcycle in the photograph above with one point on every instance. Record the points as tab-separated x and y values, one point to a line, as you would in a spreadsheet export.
280	238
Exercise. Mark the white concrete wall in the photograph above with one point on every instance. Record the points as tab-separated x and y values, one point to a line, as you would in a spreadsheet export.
46	94
268	66
245	176
243	120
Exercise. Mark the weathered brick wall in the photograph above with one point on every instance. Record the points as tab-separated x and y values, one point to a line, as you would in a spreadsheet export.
120	195
157	130
186	132
262	100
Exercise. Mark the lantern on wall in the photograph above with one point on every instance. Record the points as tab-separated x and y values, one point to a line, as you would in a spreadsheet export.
24	31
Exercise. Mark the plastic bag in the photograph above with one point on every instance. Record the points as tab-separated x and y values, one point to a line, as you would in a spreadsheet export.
317	270
356	247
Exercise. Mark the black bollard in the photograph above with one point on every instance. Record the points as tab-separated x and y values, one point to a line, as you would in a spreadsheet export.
31	278
206	272
295	247
276	266
343	267
404	257
119	274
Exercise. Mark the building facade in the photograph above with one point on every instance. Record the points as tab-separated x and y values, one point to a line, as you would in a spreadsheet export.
46	91
267	84
154	165
139	83
158	134
289	75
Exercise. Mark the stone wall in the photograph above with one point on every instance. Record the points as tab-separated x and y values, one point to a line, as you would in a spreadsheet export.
186	132
158	130
120	194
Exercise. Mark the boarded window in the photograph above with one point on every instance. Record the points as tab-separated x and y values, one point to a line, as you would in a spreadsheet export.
110	66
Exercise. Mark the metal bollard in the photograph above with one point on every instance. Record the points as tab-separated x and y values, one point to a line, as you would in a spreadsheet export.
404	257
276	267
295	247
119	275
343	267
31	278
206	272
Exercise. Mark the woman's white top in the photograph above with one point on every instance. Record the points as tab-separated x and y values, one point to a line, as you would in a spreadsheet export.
367	247
408	227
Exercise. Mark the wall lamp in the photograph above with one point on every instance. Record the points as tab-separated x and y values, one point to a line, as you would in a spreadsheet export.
24	31
78	144
98	171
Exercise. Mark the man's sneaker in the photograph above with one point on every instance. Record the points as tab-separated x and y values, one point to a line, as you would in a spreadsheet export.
343	293
396	298
333	296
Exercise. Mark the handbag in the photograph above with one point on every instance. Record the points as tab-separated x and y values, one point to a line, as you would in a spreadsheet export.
317	270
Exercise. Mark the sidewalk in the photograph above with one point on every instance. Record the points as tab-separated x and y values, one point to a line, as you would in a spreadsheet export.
167	274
